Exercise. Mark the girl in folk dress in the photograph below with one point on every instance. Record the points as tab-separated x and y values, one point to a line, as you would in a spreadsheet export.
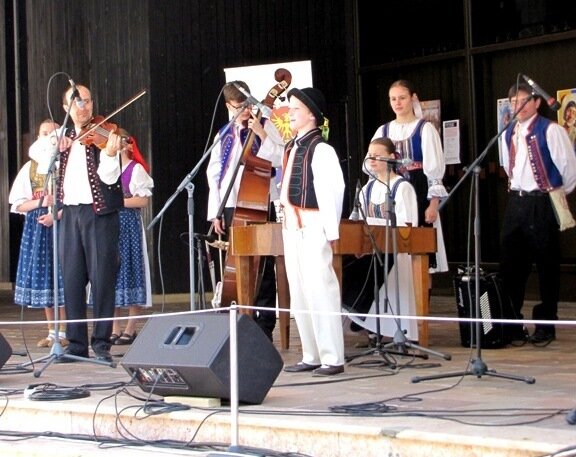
418	140
133	285
384	183
34	276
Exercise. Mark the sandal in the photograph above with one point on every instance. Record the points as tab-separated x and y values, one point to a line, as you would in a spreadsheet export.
114	337
46	342
125	338
64	342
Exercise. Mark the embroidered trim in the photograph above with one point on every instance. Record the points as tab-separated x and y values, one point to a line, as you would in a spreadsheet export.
434	182
414	166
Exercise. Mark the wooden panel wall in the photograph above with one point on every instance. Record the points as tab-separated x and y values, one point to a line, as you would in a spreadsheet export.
4	153
177	50
102	44
468	67
199	40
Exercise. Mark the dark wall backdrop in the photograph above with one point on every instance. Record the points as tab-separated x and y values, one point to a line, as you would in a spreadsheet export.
176	50
5	250
468	63
190	45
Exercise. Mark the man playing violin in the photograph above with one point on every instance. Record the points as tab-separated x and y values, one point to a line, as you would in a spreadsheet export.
267	145
89	196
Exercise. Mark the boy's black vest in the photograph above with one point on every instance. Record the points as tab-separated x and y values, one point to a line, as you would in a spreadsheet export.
301	185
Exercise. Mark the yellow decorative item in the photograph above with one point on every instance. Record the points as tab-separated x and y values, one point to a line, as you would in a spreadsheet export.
325	129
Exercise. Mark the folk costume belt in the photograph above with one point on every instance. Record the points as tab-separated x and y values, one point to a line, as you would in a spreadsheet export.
531	193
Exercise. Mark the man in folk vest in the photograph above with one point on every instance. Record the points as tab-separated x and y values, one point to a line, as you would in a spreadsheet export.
541	167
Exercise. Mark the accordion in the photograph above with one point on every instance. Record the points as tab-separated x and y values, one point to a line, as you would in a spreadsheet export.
494	304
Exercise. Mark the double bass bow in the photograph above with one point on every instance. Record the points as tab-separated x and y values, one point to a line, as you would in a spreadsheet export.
253	198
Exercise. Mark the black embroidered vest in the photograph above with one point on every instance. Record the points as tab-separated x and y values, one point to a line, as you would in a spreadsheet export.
106	198
301	185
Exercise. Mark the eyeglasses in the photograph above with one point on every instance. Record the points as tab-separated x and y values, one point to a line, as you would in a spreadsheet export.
240	107
521	101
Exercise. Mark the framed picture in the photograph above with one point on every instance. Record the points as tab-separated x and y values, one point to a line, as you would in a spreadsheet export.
504	116
567	112
431	112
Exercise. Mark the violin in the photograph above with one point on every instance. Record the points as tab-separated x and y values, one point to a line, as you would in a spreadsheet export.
97	132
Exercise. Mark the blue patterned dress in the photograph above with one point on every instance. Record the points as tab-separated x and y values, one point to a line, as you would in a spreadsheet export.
34	275
133	282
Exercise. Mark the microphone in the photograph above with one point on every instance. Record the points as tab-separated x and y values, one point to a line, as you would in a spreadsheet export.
551	101
404	161
266	111
355	214
76	95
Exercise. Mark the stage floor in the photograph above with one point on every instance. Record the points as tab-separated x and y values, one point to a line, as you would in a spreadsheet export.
371	409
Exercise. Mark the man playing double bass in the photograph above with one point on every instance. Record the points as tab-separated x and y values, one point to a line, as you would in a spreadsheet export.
231	143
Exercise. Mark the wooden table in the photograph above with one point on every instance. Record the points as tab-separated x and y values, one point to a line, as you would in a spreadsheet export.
260	239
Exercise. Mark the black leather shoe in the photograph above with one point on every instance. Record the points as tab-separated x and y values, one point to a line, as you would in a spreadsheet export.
300	367
328	370
64	359
542	337
519	336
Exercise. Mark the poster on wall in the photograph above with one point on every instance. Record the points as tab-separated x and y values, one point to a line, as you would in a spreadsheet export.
451	138
261	78
449	131
567	112
503	115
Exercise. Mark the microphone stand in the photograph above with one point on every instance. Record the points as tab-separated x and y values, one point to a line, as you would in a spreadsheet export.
57	353
187	183
477	367
234	449
399	341
201	291
378	350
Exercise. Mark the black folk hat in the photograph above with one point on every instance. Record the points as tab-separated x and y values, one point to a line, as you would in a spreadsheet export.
313	99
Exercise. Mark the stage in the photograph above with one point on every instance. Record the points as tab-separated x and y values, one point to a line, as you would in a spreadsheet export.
373	409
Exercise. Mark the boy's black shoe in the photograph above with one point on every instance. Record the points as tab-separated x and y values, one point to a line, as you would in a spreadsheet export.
518	335
543	337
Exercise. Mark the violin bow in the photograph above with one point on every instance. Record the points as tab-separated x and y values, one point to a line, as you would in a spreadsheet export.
94	127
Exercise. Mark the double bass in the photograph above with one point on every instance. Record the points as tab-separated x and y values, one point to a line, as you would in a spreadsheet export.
253	199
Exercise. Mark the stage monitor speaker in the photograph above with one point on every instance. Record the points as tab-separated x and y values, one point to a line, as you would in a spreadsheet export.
190	356
5	351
